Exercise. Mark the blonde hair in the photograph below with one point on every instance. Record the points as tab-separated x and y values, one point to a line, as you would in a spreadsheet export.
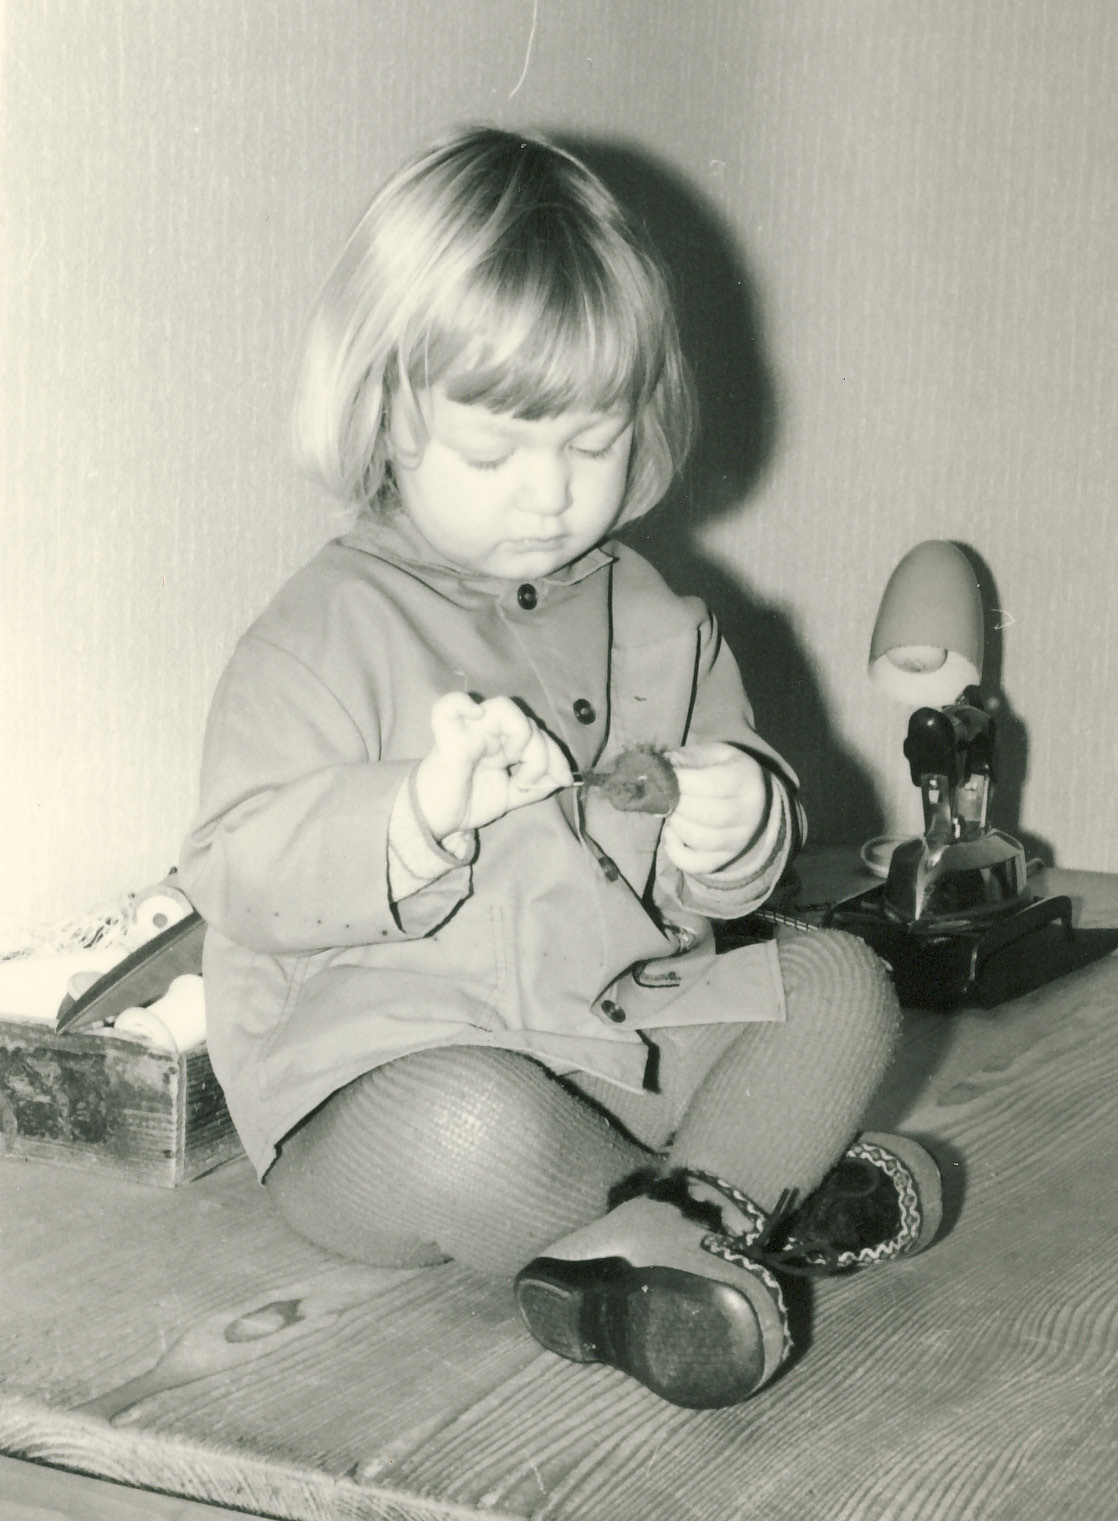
500	267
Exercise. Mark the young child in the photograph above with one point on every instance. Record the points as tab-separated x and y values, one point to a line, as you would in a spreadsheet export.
463	1004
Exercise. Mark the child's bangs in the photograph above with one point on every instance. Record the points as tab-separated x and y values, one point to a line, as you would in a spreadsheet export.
538	352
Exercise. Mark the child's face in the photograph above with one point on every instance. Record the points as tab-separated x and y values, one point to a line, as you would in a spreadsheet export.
508	497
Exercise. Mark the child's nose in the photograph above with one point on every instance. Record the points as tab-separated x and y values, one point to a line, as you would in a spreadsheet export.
546	486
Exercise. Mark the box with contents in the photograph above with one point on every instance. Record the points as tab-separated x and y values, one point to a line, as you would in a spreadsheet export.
103	1058
105	1101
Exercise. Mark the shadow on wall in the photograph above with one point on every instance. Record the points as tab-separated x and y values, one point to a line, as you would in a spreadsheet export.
1011	757
739	422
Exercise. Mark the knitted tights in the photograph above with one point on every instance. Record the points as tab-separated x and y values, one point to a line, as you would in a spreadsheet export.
485	1156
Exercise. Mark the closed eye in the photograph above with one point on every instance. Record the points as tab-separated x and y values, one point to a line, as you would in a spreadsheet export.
603	452
488	464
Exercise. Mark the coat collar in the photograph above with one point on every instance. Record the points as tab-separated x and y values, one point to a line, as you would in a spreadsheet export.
393	537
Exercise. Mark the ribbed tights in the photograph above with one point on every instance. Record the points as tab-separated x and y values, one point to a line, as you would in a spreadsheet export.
484	1156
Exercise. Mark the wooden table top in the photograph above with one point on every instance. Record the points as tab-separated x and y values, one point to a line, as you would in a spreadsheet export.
975	1381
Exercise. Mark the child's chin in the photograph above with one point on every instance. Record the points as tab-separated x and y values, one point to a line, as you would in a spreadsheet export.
523	559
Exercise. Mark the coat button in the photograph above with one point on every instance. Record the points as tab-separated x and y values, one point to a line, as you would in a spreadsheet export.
584	711
527	596
613	1011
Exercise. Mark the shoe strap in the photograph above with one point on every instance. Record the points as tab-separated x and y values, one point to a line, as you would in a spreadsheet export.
754	1244
781	1243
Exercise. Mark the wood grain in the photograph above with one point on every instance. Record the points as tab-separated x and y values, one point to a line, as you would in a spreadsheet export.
977	1381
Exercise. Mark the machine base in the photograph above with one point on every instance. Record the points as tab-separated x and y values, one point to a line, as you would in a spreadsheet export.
982	962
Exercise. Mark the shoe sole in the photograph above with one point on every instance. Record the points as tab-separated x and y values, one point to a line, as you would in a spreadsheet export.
693	1340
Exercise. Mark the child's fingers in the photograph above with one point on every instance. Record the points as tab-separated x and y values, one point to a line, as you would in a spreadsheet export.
508	730
707	848
452	707
728	793
723	800
457	725
503	758
717	812
727	839
494	729
542	767
714	770
518	743
689	858
711	784
532	765
702	755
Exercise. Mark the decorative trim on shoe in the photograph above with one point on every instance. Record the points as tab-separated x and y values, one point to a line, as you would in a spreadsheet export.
744	1248
675	1188
907	1237
726	1248
882	1200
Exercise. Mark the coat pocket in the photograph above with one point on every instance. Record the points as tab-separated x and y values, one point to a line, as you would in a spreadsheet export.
741	986
490	960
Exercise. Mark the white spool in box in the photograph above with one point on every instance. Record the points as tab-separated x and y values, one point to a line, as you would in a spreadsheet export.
157	910
175	1022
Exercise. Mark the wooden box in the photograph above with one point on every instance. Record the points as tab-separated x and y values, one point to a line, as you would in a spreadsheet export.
111	1104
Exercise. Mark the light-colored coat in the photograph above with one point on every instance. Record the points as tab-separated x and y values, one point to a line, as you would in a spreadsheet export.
566	934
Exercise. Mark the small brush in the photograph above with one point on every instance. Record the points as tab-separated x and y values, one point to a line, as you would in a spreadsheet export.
640	780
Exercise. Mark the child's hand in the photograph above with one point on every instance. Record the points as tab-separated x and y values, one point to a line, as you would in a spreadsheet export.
488	758
723	801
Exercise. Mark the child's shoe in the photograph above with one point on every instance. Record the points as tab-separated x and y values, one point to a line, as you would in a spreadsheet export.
679	1287
883	1199
665	1299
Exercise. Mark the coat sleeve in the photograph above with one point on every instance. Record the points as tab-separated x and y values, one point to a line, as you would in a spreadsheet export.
289	848
721	711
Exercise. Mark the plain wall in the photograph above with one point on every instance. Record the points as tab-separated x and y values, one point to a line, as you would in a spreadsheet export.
893	227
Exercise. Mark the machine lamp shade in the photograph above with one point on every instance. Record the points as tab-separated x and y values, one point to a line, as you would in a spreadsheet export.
927	641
